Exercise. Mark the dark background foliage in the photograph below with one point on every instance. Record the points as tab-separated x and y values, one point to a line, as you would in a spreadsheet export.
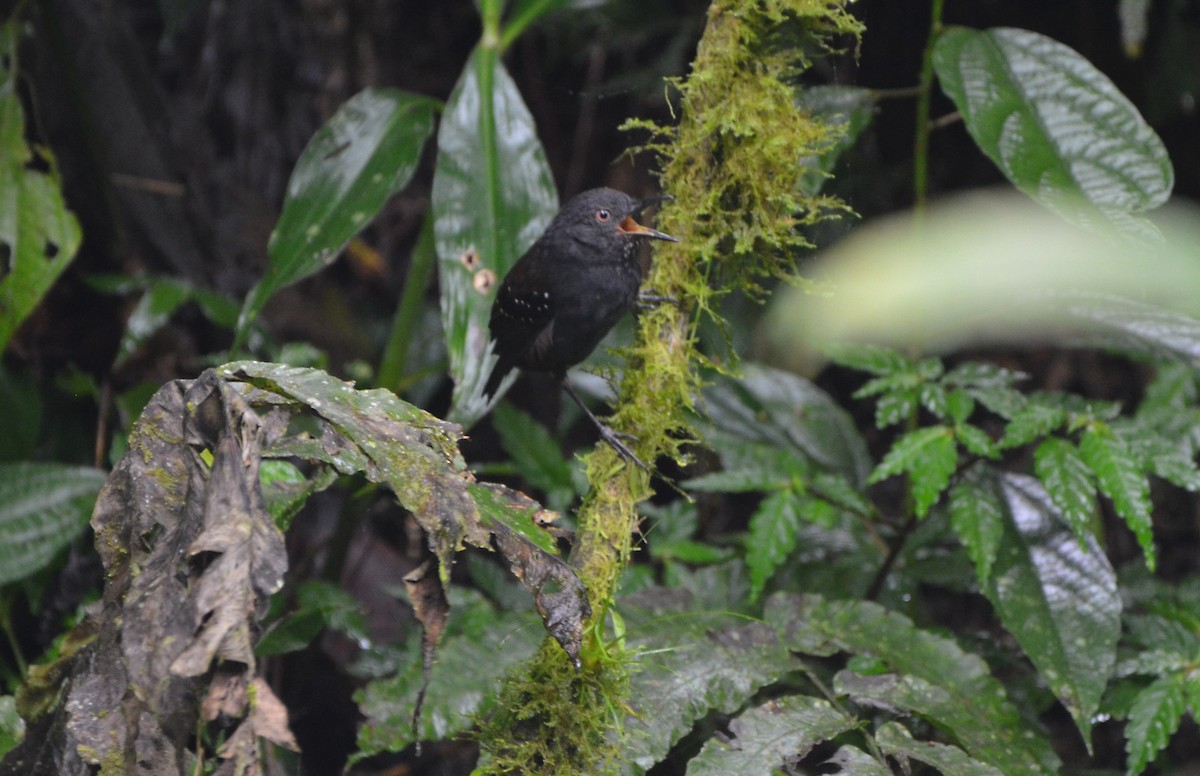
176	124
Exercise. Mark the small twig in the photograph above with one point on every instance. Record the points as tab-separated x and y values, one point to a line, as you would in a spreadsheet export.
151	185
890	560
944	121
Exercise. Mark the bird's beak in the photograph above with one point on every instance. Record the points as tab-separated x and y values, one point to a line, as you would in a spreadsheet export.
631	227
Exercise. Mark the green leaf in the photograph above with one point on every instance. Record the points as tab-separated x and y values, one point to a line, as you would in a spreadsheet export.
39	237
788	413
319	605
1153	719
1032	421
851	761
1122	480
895	408
12	727
773	532
1068	481
929	457
703	662
1053	123
480	645
932	676
976	440
538	458
895	741
43	507
766	738
366	153
977	517
493	195
1058	596
876	359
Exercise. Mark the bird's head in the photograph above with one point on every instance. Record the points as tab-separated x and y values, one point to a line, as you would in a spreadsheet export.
603	216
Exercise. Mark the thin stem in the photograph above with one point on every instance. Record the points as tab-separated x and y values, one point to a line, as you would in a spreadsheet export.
924	97
412	300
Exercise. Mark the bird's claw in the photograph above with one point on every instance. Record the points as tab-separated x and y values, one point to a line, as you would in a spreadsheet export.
648	301
615	440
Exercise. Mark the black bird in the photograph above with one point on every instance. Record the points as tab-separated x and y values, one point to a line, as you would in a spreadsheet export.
569	289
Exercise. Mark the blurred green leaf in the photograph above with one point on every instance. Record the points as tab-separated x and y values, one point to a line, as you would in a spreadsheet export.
12	727
1153	719
1057	595
1068	481
43	506
852	761
20	415
785	412
524	13
493	195
773	532
539	459
1036	419
319	605
366	153
932	676
850	108
977	517
929	457
1053	123
38	235
702	662
895	741
765	738
1123	481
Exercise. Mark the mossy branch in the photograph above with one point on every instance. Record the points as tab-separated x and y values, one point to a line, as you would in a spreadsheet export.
733	166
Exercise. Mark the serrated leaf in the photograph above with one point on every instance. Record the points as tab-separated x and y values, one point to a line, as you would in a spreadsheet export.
766	738
1053	123
977	515
703	662
365	153
929	457
788	413
1058	597
976	440
1122	480
895	408
1032	421
933	398
932	675
1068	480
895	741
39	236
875	359
1153	719
493	195
43	507
959	406
773	531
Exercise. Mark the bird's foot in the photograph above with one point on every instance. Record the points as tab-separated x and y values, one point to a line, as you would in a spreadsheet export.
647	300
616	439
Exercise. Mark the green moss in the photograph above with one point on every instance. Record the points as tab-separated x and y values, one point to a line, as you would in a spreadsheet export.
734	167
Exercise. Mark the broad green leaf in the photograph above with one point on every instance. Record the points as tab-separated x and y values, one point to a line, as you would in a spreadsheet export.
38	235
851	761
366	153
787	412
1122	480
1058	596
538	458
1153	719
480	645
766	738
850	109
895	741
931	675
1068	481
773	532
692	663
493	195
977	517
1053	123
319	605
43	507
928	456
1139	326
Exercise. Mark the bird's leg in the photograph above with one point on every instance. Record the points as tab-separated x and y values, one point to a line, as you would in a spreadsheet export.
606	433
648	300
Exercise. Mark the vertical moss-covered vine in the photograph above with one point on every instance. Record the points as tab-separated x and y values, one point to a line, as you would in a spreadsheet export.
733	164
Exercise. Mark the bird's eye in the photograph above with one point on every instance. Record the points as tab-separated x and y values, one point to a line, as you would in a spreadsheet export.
603	215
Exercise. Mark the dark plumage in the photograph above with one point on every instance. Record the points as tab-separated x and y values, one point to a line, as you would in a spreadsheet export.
570	288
